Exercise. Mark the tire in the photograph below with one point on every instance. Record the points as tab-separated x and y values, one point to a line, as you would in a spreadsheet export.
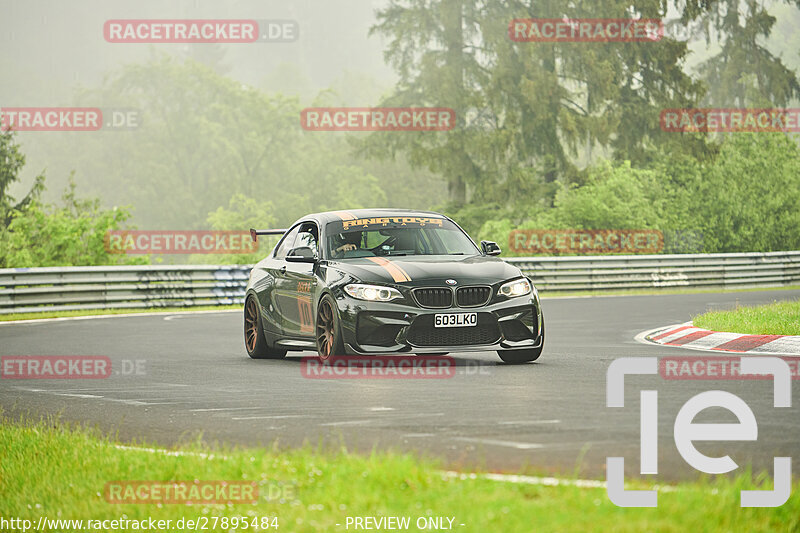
516	357
328	330
254	341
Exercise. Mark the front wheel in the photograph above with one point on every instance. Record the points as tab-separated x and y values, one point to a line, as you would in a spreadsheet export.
254	340
329	334
516	357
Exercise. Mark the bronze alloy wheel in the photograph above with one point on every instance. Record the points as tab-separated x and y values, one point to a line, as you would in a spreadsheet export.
254	340
325	329
250	325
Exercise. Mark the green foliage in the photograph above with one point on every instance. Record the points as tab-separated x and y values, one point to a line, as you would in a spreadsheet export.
205	138
616	196
241	214
12	161
749	198
526	112
472	217
340	188
72	234
744	72
351	188
34	233
548	135
497	231
744	199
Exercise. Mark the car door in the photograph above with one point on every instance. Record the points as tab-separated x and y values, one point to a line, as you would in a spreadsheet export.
297	287
275	268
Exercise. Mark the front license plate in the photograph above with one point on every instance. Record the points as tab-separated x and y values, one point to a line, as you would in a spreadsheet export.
455	320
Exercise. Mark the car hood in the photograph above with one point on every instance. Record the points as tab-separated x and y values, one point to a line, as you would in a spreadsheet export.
428	270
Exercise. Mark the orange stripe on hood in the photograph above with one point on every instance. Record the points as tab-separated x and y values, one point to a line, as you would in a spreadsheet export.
397	273
345	215
401	269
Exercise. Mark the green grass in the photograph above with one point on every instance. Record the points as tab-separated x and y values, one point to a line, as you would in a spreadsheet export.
48	469
778	318
95	312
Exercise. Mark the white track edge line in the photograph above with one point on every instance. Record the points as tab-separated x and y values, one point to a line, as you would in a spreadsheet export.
118	315
172	453
503	478
544	481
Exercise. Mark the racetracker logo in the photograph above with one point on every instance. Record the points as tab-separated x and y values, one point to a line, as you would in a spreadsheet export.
182	492
686	431
730	120
715	367
201	31
379	367
604	30
378	119
178	242
55	367
578	241
68	118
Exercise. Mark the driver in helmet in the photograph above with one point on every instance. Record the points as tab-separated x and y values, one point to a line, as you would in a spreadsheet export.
348	242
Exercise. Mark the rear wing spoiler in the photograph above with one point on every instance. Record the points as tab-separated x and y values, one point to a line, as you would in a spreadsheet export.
254	233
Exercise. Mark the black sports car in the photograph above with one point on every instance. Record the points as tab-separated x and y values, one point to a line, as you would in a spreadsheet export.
384	281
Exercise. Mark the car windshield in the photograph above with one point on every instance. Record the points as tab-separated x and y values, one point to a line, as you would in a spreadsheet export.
393	236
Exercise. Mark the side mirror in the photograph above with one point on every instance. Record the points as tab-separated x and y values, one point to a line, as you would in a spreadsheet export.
303	254
490	248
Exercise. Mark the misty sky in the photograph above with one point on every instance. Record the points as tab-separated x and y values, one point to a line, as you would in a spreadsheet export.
61	45
50	49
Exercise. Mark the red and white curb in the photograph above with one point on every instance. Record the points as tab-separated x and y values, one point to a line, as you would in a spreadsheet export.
687	336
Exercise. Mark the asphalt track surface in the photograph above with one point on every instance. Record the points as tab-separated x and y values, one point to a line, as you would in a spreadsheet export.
545	417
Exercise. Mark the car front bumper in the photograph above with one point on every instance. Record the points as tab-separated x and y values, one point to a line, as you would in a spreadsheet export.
386	328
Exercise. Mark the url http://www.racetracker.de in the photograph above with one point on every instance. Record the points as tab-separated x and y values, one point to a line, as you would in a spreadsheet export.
202	523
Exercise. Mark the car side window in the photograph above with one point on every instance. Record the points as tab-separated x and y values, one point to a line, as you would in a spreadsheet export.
287	243
307	237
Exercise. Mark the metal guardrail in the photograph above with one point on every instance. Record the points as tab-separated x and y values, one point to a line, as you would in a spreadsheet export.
728	271
151	286
24	290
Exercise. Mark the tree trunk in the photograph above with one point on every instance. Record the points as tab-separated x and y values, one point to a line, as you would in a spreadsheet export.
453	22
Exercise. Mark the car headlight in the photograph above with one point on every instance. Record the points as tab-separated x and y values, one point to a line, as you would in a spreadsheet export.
518	287
372	293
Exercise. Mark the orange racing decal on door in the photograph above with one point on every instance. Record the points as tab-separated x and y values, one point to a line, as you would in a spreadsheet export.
304	311
397	272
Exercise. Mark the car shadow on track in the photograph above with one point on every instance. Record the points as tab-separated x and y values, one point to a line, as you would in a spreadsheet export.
455	361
